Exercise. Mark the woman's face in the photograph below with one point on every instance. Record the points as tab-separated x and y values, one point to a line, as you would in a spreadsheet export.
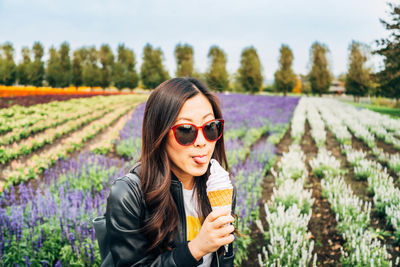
192	160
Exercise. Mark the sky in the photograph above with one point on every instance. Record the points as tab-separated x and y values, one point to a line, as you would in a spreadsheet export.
230	24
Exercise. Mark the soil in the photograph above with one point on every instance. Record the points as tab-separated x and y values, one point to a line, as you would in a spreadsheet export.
323	223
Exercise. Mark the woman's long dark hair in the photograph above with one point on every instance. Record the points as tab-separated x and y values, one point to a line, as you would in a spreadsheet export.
162	109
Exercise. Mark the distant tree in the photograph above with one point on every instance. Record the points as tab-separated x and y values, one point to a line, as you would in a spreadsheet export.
217	77
305	84
249	73
65	65
358	80
107	62
8	69
24	68
37	67
152	71
54	73
77	67
389	48
124	72
319	76
285	78
184	60
91	73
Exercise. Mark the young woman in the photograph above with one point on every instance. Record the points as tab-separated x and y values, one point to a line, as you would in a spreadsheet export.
164	217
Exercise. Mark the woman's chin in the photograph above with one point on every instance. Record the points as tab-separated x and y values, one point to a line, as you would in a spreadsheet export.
199	170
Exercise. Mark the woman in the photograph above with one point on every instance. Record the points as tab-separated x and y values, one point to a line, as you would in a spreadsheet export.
158	220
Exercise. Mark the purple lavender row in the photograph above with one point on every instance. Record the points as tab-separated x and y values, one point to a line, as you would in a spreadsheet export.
51	225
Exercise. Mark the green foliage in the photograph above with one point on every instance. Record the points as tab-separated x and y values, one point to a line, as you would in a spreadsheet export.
285	78
8	69
128	148
24	68
124	72
243	243
319	76
184	60
358	78
152	70
249	74
37	72
65	65
89	179
389	48
53	70
91	74
217	76
106	58
76	78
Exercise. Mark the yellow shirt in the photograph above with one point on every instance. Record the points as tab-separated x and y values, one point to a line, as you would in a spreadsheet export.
193	221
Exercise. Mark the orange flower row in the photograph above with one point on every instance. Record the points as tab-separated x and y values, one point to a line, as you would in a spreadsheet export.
11	91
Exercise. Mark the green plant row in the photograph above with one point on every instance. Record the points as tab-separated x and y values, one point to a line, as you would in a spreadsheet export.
58	118
26	147
17	117
37	165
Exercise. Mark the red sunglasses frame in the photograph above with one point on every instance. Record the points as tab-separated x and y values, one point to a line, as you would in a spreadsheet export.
197	132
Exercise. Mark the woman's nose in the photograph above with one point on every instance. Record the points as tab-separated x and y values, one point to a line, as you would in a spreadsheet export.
200	140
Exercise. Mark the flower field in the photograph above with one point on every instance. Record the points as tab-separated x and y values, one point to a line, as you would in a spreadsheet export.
317	180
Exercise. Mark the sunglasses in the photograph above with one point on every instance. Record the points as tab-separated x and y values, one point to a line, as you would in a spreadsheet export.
186	133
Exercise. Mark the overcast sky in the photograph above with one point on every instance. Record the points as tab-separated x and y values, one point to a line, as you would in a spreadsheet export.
230	24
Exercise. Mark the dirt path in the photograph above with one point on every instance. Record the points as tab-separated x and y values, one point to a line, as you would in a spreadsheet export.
323	223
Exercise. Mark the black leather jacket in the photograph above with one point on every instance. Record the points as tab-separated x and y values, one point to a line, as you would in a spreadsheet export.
126	212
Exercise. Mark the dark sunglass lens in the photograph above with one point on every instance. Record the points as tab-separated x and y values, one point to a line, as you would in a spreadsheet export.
185	134
213	130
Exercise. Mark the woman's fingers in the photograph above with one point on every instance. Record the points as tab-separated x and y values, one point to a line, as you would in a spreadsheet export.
226	230
222	220
215	214
227	240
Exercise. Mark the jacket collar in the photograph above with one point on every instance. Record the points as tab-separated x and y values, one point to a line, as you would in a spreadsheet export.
174	179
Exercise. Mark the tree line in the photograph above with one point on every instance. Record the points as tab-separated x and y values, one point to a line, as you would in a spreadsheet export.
89	66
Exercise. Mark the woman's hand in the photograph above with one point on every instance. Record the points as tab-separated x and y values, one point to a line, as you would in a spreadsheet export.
213	233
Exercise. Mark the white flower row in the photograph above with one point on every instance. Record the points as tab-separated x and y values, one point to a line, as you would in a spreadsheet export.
317	125
288	242
292	165
288	214
335	125
298	121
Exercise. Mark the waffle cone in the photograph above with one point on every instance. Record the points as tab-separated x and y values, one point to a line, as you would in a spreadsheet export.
220	197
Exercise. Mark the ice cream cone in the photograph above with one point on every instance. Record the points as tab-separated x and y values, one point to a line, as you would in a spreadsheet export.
220	198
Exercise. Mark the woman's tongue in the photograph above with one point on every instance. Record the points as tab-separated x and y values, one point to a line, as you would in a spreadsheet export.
200	160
